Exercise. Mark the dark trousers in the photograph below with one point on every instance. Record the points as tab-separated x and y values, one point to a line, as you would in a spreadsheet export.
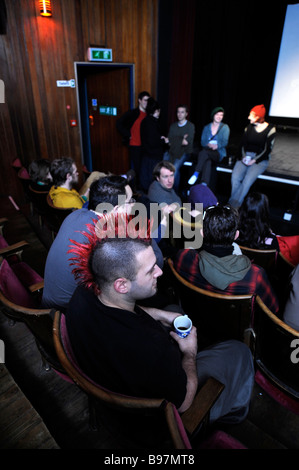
205	160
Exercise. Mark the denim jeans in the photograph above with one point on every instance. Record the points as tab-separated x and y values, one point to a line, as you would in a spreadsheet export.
177	164
243	178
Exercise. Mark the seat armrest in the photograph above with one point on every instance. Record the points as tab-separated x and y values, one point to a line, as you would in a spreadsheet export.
36	287
15	249
201	405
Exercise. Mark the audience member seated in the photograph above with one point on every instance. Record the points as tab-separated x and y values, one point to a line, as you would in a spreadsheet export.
255	230
65	175
214	267
202	194
291	311
214	140
60	282
161	189
40	175
143	356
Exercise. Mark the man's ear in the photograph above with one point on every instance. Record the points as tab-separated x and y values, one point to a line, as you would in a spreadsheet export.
237	234
121	285
201	232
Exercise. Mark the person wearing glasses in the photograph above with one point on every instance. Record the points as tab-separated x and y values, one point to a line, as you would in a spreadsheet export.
110	193
214	267
65	176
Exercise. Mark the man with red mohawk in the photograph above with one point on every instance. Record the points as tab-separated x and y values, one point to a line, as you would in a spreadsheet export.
133	350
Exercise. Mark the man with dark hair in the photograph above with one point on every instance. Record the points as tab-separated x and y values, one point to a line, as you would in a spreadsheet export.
65	175
128	126
161	189
143	356
214	267
59	281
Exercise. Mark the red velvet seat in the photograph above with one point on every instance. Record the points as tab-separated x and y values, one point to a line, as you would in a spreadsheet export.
20	302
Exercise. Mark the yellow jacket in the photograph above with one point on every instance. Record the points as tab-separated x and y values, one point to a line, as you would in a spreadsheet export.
66	198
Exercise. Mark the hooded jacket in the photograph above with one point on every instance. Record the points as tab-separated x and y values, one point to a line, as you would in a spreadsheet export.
222	271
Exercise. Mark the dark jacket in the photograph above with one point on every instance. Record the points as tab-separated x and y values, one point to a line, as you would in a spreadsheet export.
125	122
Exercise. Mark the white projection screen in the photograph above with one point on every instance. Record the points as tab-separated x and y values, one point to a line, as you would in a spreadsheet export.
285	95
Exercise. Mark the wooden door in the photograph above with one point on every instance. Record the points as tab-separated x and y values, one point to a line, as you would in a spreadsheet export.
108	91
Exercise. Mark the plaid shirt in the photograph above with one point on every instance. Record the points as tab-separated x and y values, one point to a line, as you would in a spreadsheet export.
186	263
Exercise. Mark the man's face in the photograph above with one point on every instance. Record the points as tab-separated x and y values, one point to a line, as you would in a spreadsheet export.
182	114
75	174
166	178
145	283
143	103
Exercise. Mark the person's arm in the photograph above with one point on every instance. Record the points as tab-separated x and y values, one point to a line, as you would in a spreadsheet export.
188	348
223	137
205	136
165	317
268	145
266	292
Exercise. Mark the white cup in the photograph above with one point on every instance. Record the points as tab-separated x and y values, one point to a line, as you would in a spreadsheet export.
247	160
182	325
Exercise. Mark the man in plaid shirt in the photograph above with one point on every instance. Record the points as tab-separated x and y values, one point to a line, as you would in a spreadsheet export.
216	268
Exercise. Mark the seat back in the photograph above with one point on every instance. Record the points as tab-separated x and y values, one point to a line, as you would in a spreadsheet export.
55	215
19	304
264	258
217	316
276	350
39	201
280	279
129	414
70	364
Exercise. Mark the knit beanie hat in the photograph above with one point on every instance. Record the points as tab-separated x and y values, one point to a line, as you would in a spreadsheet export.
259	111
202	193
216	110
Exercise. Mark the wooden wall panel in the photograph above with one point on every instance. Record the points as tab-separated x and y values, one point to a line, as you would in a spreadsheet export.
35	52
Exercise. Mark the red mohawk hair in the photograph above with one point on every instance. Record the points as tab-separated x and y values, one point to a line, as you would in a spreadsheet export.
108	226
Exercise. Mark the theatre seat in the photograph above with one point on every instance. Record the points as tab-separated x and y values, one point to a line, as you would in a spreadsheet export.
20	292
218	317
276	357
149	418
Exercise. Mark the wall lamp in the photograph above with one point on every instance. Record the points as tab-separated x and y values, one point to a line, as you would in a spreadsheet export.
45	7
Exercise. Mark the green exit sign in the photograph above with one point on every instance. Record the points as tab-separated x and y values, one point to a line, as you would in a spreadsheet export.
96	54
108	110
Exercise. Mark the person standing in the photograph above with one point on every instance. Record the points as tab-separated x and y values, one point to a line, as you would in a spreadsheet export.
256	146
128	126
180	139
152	143
214	140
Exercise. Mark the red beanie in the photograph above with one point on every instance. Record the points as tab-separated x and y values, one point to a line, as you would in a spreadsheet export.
259	111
